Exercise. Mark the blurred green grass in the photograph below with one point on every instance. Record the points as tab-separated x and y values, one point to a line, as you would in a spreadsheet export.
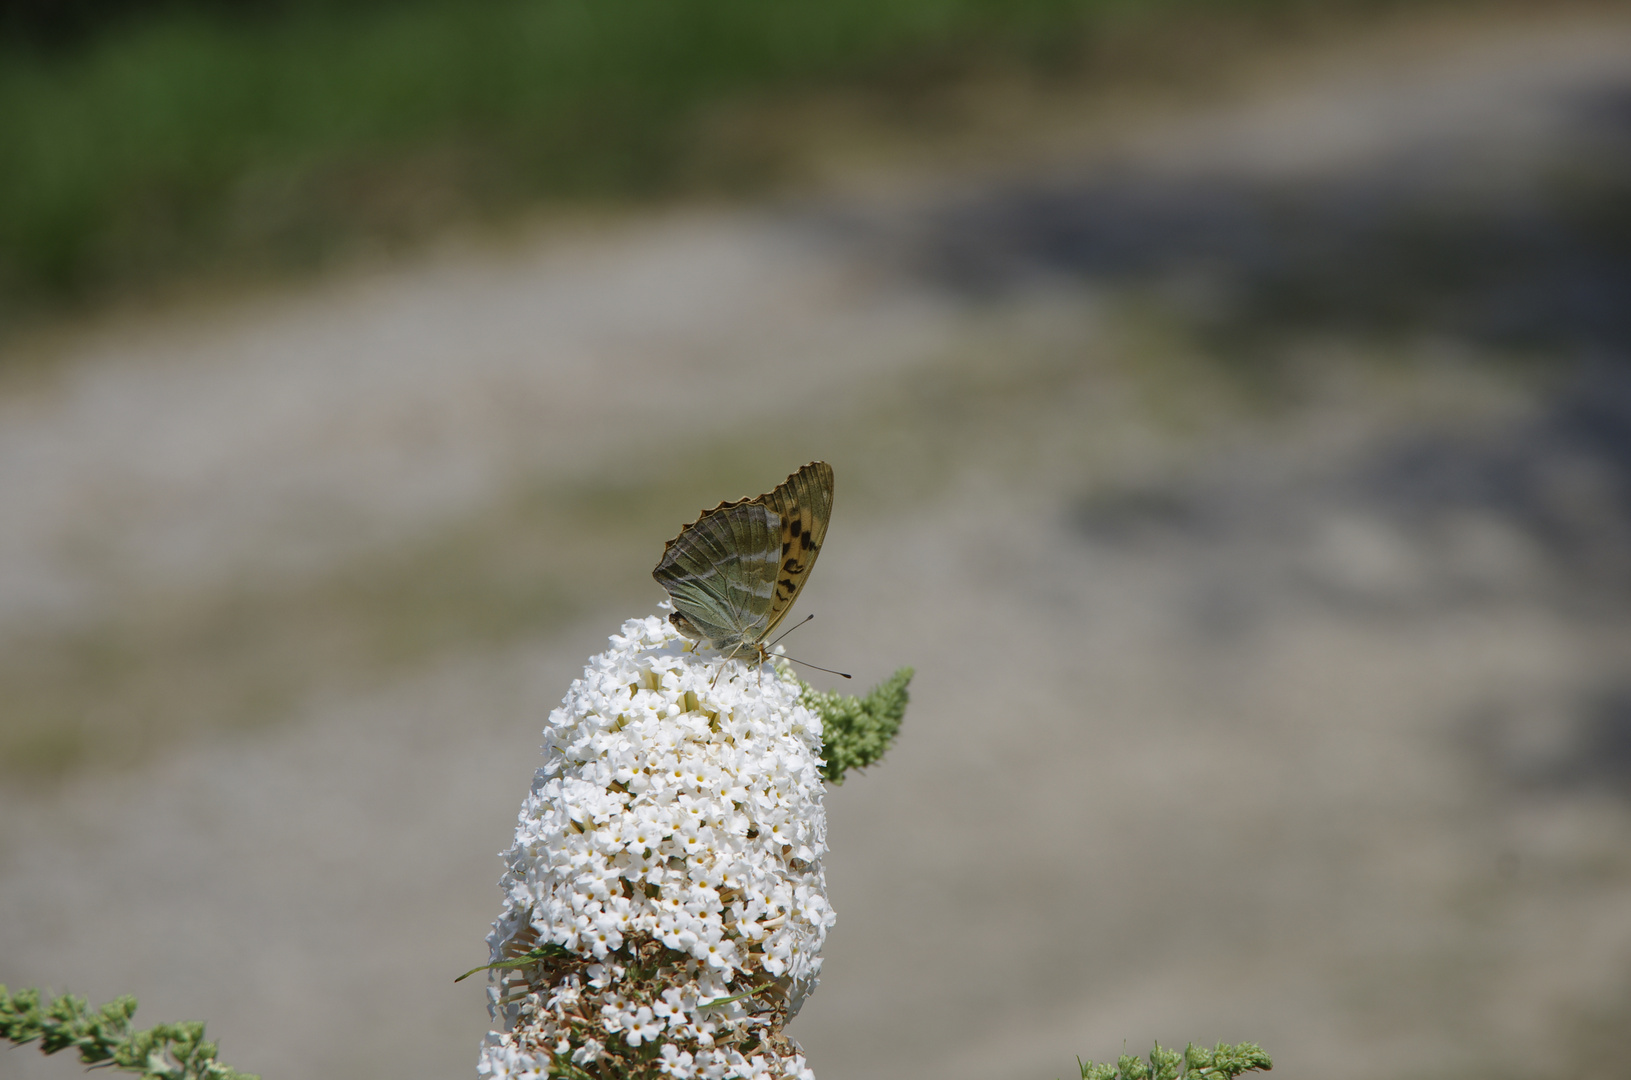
186	139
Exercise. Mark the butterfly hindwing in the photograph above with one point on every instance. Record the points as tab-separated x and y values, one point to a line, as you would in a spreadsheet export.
721	573
735	571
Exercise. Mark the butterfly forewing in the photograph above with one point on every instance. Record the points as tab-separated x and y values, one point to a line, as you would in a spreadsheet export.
721	572
735	571
803	502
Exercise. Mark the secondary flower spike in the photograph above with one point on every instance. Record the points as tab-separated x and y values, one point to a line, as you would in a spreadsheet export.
665	906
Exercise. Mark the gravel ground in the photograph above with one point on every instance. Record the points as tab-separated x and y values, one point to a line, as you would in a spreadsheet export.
1248	482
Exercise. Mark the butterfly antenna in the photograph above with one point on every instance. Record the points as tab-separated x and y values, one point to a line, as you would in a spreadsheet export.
789	630
828	670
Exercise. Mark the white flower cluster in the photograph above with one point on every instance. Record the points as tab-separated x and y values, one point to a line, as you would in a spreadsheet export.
679	803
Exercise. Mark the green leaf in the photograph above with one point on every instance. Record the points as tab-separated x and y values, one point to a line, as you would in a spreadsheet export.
716	1002
547	951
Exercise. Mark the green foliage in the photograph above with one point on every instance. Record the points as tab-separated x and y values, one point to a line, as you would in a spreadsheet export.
191	136
105	1037
1222	1062
547	951
189	129
857	731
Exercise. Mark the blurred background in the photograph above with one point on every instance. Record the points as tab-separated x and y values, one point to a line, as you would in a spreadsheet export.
1230	404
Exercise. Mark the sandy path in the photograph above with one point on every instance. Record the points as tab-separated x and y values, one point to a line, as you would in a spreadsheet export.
1301	721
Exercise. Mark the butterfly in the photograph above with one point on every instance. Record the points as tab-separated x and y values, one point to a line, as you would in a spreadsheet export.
734	572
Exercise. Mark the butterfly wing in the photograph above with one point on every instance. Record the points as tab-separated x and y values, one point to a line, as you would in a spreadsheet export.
721	571
803	503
